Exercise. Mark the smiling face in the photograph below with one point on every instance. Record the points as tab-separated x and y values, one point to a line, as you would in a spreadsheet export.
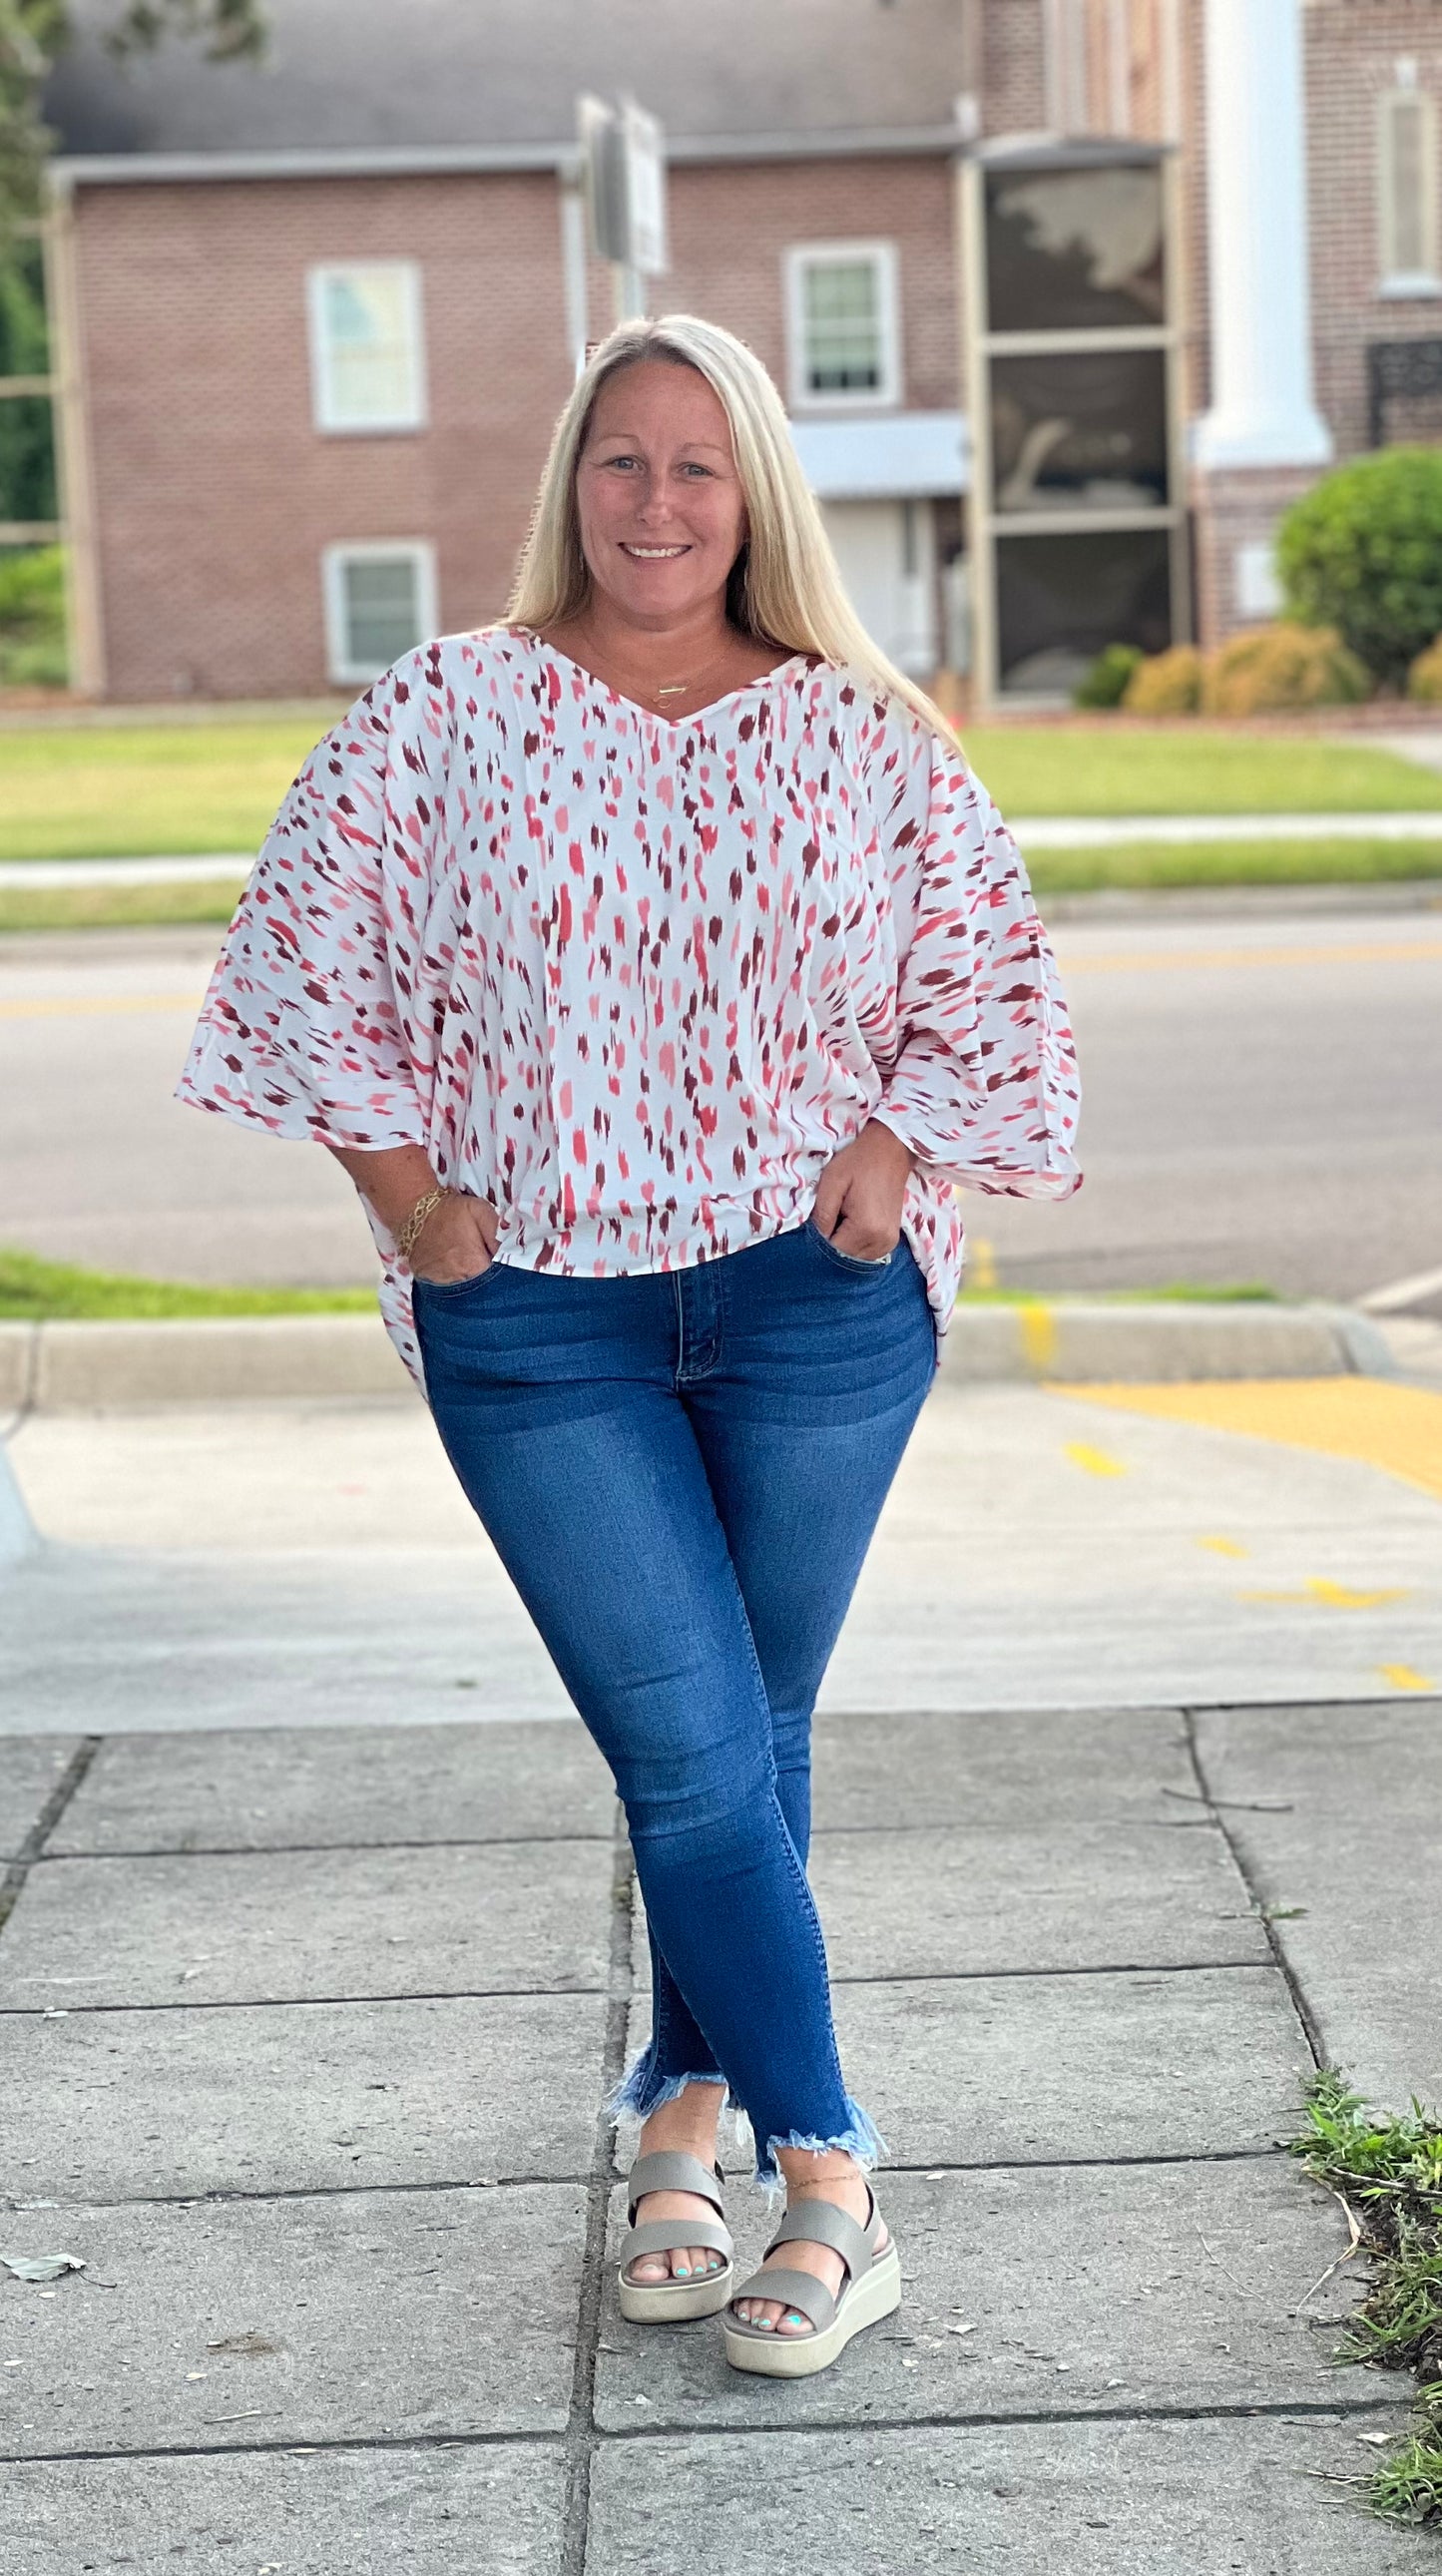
659	498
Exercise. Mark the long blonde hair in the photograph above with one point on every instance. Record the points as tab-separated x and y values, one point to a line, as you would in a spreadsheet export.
785	587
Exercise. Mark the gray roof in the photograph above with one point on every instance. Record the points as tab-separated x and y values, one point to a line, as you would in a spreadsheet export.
502	75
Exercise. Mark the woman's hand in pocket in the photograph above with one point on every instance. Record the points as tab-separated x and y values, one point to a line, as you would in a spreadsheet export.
457	1241
859	1195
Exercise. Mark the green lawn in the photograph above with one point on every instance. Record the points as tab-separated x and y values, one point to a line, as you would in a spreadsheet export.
34	1292
137	791
129	791
41	1292
1135	863
1050	769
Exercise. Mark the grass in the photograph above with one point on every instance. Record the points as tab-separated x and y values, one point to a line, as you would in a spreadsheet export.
1233	863
1180	769
33	1291
1138	865
1386	2170
92	907
130	791
136	791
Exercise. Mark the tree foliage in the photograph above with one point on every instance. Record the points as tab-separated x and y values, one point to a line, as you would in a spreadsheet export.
35	33
1362	552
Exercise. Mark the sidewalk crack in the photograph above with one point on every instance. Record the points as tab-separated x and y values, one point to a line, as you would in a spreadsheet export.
45	1823
1311	2031
581	2437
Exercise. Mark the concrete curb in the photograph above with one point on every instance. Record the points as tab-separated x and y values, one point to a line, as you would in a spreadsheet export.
60	1368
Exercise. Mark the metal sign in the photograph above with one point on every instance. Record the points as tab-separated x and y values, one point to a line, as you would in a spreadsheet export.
624	165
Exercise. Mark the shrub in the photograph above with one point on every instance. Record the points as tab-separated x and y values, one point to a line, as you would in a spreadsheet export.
1166	684
32	617
1424	679
1281	666
1105	684
1362	552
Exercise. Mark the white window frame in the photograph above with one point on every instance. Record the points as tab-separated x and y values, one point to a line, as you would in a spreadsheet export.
1394	280
325	411
802	256
348	673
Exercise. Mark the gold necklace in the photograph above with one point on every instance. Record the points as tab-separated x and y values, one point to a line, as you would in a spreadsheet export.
675	688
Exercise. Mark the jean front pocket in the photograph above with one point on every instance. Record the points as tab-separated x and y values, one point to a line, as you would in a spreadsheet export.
852	1261
450	1289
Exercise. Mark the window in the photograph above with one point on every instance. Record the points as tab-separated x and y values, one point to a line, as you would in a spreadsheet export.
366	357
380	602
1407	193
842	309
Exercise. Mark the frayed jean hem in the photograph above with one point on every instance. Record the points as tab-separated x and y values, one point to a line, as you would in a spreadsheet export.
641	2091
861	2140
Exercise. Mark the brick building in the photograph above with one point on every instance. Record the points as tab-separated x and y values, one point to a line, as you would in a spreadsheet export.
311	319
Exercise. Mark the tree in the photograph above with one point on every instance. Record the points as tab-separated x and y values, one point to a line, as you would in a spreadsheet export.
33	35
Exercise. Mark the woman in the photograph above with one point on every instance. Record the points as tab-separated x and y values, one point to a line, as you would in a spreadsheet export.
655	968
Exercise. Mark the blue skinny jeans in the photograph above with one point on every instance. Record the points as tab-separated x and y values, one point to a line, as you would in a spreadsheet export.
681	1472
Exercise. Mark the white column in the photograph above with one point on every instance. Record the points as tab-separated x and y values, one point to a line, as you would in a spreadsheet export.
1263	412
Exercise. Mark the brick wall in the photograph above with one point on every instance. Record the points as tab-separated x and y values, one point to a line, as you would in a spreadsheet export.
215	493
1350	56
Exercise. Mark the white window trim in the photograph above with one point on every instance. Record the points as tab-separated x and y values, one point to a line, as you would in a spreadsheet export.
803	255
323	409
334	558
1394	282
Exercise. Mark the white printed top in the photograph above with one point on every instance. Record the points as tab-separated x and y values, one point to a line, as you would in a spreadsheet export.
635	979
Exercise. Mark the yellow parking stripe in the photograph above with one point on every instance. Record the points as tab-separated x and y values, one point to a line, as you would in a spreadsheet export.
1396	1428
1402	1677
1094	1462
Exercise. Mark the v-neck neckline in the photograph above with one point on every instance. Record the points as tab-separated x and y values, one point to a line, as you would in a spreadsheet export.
619	698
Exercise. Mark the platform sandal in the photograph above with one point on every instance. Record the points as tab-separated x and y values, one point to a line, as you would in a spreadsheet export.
657	2302
871	2290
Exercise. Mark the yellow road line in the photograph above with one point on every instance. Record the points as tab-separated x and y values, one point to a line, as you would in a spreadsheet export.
1379	952
1331	1596
1093	1462
1223	1546
81	1006
1396	1428
1403	1677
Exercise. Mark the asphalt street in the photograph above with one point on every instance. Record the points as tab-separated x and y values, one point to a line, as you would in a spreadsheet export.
1261	1093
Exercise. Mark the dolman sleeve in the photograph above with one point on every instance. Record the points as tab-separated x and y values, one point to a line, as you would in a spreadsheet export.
305	1028
984	1087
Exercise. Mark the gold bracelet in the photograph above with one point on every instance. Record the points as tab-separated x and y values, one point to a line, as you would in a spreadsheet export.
424	1209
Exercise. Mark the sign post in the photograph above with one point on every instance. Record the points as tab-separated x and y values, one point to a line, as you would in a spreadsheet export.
619	199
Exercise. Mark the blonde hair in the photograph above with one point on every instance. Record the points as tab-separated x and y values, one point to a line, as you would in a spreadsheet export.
785	587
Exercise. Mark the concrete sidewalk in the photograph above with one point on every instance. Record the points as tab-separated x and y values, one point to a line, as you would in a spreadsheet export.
306	2012
304	2037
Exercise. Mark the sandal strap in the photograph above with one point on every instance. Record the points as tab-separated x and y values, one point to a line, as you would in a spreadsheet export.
821	2222
794	2290
671	2170
663	2235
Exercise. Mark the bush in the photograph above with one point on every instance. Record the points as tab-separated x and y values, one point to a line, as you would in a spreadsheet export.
1424	679
1105	684
1166	684
1363	553
32	618
1279	667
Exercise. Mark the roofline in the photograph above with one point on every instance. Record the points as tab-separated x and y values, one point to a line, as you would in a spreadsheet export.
444	160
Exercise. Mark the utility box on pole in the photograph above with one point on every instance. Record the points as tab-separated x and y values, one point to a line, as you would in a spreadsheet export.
623	160
1072	337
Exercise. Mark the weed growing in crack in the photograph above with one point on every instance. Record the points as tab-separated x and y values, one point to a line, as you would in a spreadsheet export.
1386	2171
